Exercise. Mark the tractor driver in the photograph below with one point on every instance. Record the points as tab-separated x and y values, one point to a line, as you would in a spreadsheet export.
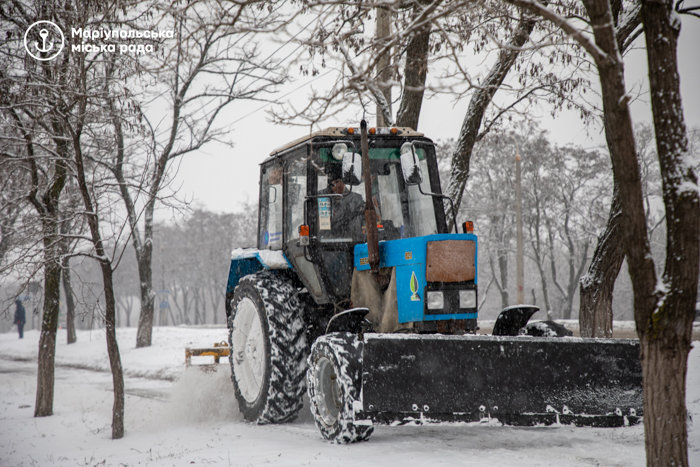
343	222
347	210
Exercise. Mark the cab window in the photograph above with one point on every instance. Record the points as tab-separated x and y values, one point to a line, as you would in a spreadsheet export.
271	201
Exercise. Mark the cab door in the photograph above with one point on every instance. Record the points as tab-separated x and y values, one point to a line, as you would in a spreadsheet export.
295	201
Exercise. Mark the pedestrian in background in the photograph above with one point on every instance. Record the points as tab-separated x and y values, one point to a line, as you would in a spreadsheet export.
20	317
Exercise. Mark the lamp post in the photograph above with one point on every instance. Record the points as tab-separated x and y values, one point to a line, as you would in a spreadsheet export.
519	226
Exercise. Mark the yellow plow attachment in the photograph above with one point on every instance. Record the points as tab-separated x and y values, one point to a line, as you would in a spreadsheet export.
218	350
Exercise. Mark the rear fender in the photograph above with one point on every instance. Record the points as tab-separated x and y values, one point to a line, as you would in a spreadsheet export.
245	261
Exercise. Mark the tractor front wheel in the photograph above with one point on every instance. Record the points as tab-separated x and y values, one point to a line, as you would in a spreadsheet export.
334	385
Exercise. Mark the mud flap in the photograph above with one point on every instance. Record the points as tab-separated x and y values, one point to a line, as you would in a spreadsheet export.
518	380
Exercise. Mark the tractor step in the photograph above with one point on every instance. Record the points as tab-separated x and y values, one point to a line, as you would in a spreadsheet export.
519	380
218	350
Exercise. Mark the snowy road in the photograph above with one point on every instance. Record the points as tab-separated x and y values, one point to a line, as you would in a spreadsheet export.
194	421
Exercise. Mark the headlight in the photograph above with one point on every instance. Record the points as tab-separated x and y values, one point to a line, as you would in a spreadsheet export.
338	150
467	298
436	301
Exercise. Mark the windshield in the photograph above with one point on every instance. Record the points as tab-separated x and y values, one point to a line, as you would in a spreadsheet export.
402	211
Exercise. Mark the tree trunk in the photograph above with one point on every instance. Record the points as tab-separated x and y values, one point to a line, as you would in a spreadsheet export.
113	351
70	302
143	246
503	268
214	297
383	35
108	288
575	274
620	139
480	100
664	367
415	73
48	211
536	244
125	304
46	205
197	307
545	290
663	312
596	287
49	323
666	330
145	330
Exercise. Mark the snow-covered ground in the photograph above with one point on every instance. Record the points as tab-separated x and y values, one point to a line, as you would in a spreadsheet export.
188	417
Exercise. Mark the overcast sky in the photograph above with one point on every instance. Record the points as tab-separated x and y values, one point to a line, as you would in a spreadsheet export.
222	179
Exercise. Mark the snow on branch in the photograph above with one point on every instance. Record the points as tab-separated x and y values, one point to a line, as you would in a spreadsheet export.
577	34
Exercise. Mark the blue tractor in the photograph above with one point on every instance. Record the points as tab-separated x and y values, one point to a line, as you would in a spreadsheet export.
360	295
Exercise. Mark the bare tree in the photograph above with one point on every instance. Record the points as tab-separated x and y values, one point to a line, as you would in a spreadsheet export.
453	27
33	107
190	267
105	262
665	326
56	107
480	100
597	285
71	229
66	252
369	64
563	190
210	64
415	71
664	309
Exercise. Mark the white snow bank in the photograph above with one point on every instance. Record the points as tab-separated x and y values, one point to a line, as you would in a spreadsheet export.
165	359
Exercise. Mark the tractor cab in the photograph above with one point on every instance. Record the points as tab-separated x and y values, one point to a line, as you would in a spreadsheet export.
316	184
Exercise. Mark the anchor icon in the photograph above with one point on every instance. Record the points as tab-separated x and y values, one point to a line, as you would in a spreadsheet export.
44	34
51	43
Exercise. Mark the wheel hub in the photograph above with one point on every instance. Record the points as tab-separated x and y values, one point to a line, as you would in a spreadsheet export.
328	396
248	350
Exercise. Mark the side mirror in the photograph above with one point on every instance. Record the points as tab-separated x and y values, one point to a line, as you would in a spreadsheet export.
352	168
410	167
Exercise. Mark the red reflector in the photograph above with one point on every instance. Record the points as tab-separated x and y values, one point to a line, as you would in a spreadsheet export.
303	230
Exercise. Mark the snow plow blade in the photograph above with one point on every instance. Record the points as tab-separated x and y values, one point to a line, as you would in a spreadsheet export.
517	380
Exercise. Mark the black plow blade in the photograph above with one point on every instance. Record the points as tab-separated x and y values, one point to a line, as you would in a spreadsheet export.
517	380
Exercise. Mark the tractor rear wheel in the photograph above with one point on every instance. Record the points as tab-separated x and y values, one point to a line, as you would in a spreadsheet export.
334	384
268	348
